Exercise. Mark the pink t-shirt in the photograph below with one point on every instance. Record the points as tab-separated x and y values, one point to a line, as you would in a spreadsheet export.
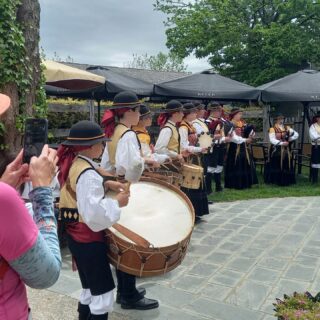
18	233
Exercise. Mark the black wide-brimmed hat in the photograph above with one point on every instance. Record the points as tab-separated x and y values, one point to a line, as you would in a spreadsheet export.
214	105
233	112
278	116
125	99
199	105
85	133
317	115
172	106
144	111
189	107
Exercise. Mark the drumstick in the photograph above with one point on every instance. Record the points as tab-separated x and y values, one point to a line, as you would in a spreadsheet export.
134	237
127	188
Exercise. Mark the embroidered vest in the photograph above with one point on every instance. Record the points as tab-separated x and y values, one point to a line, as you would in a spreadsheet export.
281	133
68	199
203	125
192	134
142	135
119	131
174	142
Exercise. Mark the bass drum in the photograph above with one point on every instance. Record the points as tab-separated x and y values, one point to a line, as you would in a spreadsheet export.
161	214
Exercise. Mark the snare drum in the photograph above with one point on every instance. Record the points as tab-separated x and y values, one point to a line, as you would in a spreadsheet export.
192	176
163	215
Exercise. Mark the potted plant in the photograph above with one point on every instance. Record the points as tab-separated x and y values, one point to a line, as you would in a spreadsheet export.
299	306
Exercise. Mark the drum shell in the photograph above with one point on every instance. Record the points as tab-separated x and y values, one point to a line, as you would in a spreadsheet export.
192	176
145	262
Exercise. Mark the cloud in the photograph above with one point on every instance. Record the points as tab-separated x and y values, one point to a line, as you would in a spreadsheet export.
104	32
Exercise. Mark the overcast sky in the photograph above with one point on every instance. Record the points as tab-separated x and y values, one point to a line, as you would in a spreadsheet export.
106	32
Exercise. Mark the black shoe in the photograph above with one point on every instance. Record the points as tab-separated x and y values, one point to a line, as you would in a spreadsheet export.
99	317
210	202
142	304
219	189
141	291
197	220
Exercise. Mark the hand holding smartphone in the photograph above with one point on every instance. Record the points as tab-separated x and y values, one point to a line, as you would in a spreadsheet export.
35	137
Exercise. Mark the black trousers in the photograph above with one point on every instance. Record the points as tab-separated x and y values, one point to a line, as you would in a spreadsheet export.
93	266
127	286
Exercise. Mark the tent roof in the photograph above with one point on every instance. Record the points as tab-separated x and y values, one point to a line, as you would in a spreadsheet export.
302	86
207	85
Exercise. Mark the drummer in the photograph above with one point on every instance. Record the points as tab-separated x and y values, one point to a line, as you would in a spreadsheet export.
201	127
188	139
168	142
87	212
217	128
123	157
151	158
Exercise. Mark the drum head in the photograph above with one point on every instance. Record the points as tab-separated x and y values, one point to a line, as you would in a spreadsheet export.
157	213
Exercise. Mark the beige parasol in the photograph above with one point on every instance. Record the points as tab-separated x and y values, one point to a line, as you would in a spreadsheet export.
63	76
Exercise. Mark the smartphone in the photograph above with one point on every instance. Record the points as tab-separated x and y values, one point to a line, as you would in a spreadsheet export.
35	137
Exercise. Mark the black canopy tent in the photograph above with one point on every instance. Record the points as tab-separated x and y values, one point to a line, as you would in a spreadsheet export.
115	83
206	85
302	86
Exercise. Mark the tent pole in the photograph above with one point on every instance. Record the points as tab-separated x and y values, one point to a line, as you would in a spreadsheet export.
305	110
99	111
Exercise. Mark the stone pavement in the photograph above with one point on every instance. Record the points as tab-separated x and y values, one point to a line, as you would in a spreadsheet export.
242	256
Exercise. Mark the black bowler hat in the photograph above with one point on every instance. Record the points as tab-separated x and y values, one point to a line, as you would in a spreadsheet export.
233	112
189	107
172	106
144	110
125	99
278	116
85	133
214	105
199	105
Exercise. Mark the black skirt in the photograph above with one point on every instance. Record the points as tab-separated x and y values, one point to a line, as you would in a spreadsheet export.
315	157
199	200
240	171
280	168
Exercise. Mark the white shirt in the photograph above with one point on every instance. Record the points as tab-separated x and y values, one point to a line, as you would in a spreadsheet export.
292	133
128	160
97	212
147	153
314	133
184	141
164	137
55	187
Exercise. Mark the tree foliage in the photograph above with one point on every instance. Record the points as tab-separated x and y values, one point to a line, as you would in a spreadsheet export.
254	41
159	62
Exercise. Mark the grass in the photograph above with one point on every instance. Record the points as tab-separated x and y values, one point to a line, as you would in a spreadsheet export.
302	188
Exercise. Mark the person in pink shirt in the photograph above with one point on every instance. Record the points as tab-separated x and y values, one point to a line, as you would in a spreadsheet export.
29	248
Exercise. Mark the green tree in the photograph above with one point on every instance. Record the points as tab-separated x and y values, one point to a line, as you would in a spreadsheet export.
159	62
254	41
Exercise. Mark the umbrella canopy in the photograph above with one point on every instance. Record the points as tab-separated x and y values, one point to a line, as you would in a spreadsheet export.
206	85
63	76
113	83
116	82
302	86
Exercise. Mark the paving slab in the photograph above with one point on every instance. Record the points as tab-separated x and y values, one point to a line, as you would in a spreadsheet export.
242	256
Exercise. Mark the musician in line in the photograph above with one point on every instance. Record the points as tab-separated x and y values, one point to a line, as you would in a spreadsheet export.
168	142
240	172
217	154
122	157
87	212
188	140
151	158
280	167
314	133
